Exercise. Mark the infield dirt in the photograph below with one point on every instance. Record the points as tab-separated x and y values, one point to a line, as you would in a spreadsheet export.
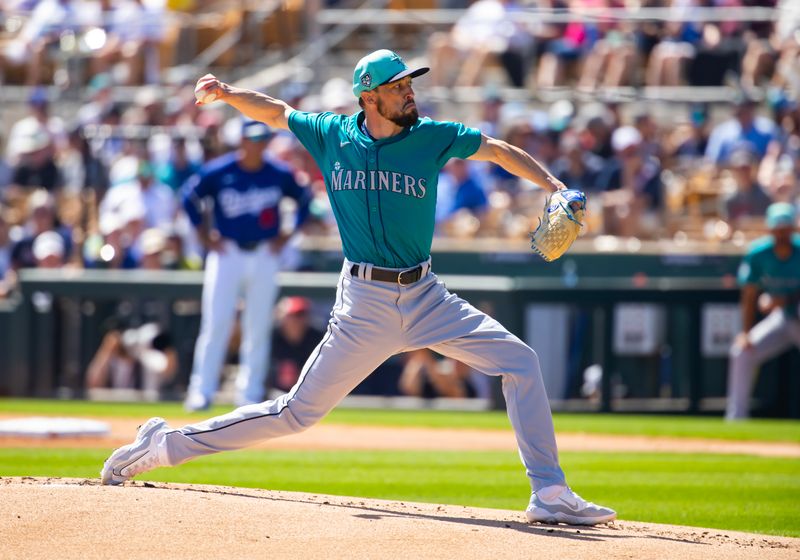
343	437
76	518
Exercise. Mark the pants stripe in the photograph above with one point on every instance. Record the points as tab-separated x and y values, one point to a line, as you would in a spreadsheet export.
309	364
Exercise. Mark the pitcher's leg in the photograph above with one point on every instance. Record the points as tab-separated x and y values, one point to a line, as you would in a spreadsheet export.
451	326
494	351
770	337
362	333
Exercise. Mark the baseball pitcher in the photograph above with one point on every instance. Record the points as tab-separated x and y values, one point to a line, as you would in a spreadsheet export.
381	167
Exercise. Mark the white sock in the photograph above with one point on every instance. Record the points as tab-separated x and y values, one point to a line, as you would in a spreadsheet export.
550	492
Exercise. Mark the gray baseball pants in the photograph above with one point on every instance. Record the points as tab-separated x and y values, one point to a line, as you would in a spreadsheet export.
775	334
371	321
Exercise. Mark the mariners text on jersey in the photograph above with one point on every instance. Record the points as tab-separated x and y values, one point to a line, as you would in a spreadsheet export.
391	181
383	192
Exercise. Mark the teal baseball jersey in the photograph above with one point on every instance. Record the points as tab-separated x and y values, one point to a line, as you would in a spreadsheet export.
776	277
383	192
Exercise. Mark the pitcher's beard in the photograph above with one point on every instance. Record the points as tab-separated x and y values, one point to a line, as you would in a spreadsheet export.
400	119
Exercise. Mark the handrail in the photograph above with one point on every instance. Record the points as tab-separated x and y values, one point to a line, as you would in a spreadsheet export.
535	15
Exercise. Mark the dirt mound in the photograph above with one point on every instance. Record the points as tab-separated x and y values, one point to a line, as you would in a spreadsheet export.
75	518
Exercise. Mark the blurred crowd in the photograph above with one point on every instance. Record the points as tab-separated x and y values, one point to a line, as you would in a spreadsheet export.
613	43
100	187
63	40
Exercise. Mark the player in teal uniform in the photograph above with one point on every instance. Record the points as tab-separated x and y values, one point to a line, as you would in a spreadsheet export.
381	167
771	268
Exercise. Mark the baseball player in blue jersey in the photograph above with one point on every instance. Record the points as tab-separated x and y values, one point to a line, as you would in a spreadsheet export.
380	167
243	241
772	267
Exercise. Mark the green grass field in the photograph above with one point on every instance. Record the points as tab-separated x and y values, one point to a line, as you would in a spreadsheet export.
755	494
620	424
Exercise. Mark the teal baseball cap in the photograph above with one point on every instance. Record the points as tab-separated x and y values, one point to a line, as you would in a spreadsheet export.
381	67
781	214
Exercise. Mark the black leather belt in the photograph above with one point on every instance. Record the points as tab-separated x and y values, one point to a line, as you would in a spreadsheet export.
248	245
402	277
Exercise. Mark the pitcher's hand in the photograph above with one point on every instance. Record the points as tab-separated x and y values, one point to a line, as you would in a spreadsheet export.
209	89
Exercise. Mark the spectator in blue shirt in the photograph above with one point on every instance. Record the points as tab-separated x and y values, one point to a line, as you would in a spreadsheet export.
746	129
467	191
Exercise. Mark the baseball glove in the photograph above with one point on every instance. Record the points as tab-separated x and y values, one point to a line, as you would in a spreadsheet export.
560	225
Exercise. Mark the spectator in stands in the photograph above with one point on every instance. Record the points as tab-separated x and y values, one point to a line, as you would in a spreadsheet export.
134	35
490	110
41	218
39	108
147	108
785	40
464	190
692	145
783	187
79	166
762	45
7	276
138	338
652	144
175	255
518	132
631	182
428	376
293	340
485	30
744	128
577	167
596	136
749	200
669	58
40	36
770	280
5	174
36	167
570	47
718	55
157	202
178	168
49	250
612	60
210	123
101	100
111	247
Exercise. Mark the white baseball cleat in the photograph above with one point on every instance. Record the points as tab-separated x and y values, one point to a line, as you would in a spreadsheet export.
196	402
144	454
559	504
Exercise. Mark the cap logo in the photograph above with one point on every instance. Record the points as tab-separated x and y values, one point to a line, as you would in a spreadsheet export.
366	80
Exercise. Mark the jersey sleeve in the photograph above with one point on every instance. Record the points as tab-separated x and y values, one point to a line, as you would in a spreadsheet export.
462	141
312	130
749	272
196	187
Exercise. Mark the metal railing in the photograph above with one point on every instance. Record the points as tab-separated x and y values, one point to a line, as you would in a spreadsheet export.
338	16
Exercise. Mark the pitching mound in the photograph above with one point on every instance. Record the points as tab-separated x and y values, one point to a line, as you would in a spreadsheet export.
74	518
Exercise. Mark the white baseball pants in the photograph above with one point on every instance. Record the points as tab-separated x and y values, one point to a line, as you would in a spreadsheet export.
371	321
775	334
229	275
